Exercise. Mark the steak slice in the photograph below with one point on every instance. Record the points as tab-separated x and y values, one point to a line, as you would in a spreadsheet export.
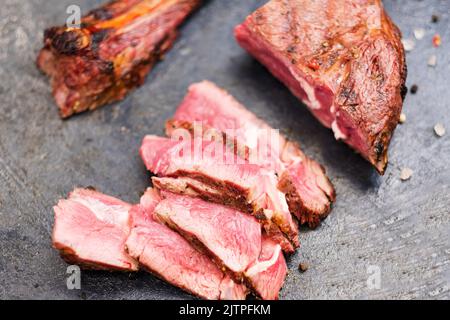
268	274
343	59
169	256
222	177
91	229
232	238
206	106
111	53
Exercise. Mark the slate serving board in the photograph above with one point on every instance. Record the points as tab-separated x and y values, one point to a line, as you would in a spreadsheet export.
400	228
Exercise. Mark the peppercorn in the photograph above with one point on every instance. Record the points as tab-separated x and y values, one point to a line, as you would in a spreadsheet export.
303	267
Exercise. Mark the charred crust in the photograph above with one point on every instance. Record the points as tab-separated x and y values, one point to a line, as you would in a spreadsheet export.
100	85
101	14
348	96
98	37
68	42
260	215
306	216
231	194
258	16
403	91
50	33
291	49
346	92
379	149
404	88
74	41
114	91
178	124
231	143
107	67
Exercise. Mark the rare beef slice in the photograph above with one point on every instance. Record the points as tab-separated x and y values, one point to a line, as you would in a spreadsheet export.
207	107
169	256
208	170
233	240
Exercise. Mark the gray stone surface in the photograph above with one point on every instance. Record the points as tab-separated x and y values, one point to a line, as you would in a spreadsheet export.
401	227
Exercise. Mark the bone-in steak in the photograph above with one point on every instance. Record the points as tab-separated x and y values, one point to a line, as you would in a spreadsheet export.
342	58
112	51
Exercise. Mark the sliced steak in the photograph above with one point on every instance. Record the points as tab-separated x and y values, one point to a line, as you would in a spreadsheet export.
206	107
222	177
91	229
169	256
268	274
111	53
343	59
232	238
194	188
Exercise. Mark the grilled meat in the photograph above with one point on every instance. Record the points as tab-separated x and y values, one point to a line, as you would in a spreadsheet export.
112	51
342	58
219	176
91	229
232	238
206	107
169	256
99	232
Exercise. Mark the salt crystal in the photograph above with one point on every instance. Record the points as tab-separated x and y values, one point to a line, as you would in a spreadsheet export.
406	174
439	129
185	51
408	44
419	33
432	61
